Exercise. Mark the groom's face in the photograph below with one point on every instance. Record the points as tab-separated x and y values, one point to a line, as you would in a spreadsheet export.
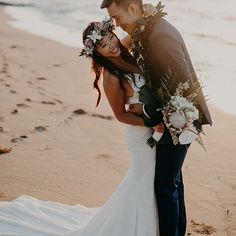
125	18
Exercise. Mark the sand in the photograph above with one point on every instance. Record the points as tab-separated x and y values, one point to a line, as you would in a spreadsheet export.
65	150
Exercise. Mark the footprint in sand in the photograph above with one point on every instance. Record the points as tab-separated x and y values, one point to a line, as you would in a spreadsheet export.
40	128
79	112
83	112
28	100
102	116
15	111
14	46
19	139
22	105
4	68
41	78
103	157
48	103
4	71
13	91
56	65
202	228
57	100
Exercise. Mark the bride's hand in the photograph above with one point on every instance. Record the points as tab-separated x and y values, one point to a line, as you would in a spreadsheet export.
159	128
136	108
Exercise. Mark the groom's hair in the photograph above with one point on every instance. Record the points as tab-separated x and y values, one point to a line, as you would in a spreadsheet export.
123	3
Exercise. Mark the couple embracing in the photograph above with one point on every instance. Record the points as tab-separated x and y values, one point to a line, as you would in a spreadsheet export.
151	86
150	199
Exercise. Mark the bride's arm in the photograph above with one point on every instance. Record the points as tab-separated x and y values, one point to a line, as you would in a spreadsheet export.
116	98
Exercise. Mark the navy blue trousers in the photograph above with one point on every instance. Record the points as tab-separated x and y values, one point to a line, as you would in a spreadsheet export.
169	189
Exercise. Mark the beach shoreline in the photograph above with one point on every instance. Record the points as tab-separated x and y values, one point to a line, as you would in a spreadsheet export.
65	150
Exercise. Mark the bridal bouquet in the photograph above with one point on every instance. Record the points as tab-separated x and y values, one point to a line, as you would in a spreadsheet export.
179	110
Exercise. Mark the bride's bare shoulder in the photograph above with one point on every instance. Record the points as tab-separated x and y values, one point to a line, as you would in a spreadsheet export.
109	79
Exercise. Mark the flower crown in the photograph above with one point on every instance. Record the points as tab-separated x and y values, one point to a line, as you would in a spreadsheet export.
95	35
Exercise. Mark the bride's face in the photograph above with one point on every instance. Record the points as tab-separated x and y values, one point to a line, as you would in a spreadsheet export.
108	46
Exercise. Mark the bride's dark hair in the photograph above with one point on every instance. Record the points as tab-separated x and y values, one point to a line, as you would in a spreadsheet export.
99	62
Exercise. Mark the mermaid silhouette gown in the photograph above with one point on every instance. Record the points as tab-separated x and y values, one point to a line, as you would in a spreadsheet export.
130	211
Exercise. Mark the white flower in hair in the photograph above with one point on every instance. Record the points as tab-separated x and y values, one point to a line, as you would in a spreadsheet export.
94	36
88	51
99	29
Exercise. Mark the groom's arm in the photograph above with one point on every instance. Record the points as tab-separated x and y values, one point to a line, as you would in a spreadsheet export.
150	115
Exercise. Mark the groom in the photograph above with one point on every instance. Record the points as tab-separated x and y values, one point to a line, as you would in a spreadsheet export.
159	49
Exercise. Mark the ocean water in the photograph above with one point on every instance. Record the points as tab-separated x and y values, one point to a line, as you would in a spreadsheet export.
208	28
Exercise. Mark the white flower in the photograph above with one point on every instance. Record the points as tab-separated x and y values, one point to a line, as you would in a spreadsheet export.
149	10
188	135
185	86
94	36
88	51
192	115
177	120
180	103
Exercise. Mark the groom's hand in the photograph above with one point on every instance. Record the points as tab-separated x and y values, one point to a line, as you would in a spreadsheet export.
136	108
159	128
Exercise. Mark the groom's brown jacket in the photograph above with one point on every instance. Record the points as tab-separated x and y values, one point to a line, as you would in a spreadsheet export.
167	52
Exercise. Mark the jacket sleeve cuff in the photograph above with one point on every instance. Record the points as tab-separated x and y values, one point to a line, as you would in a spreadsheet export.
145	113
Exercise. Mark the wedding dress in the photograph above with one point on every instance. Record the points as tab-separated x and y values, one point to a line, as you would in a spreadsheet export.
130	211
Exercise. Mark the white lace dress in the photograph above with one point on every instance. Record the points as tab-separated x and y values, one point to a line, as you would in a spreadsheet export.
130	211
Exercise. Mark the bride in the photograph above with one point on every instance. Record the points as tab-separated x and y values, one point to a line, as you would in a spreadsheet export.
131	210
